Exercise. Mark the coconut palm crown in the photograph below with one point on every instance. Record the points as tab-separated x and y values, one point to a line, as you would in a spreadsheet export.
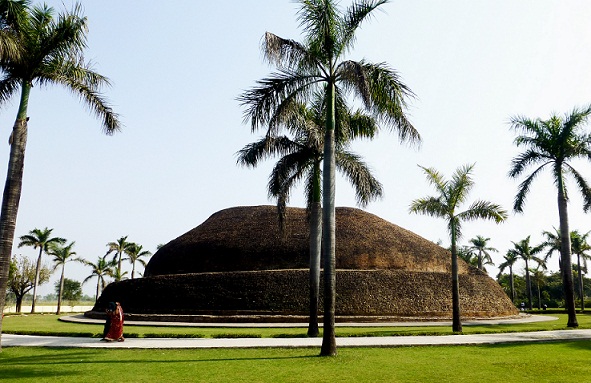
450	195
319	64
554	144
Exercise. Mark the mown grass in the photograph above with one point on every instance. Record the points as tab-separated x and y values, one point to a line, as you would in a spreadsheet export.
48	324
543	362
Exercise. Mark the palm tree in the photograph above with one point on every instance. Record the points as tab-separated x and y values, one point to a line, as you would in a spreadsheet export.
119	247
42	240
134	254
49	52
553	244
101	269
580	247
61	255
524	251
510	258
555	143
466	253
301	158
451	194
479	244
318	65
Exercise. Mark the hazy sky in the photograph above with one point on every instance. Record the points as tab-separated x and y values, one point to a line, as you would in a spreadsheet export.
178	67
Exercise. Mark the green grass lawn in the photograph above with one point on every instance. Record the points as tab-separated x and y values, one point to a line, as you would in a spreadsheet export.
536	362
48	324
543	362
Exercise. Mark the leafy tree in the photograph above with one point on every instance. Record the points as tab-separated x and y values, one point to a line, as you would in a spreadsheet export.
301	158
318	65
69	289
49	51
525	251
119	247
22	275
101	269
61	255
554	143
451	194
134	254
580	247
479	244
510	258
42	240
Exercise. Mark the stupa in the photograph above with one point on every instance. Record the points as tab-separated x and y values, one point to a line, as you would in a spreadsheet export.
238	266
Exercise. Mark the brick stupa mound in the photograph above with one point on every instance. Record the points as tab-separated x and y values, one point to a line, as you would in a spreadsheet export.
237	264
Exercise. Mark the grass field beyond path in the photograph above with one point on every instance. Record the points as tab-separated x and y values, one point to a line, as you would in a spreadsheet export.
546	362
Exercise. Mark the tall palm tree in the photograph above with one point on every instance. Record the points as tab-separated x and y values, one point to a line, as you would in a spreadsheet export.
61	255
101	269
39	239
580	247
451	194
135	253
510	258
479	244
318	64
119	247
554	143
301	158
50	52
525	251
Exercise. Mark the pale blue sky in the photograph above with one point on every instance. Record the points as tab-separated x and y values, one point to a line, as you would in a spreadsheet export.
177	70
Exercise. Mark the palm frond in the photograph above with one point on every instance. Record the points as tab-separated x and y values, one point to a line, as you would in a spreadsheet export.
429	206
383	94
523	189
583	186
367	187
484	210
355	14
262	101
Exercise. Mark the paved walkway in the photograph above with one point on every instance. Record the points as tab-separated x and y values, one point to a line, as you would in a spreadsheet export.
9	340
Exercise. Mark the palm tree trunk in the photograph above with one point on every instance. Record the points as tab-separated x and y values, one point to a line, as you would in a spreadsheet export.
455	283
329	345
61	290
315	249
539	295
511	284
479	259
98	284
528	286
565	251
581	290
36	282
12	192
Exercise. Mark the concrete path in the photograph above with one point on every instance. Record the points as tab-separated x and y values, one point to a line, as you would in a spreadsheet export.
9	340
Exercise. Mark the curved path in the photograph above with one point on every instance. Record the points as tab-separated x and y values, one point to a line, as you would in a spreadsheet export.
9	340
